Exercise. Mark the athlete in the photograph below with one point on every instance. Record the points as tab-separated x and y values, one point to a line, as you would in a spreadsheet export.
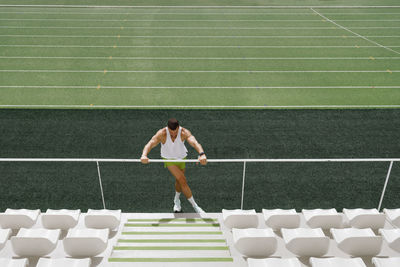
172	139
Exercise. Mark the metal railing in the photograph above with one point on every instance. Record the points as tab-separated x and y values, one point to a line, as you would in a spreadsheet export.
98	160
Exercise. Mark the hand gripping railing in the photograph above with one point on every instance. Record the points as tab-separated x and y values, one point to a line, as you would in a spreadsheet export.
97	160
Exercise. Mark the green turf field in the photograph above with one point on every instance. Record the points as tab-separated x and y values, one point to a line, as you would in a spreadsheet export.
251	79
223	134
175	54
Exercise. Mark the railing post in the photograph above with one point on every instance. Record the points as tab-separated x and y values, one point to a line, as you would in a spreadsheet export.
101	186
244	176
384	187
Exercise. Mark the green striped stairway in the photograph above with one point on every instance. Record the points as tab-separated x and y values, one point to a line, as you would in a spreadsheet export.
182	241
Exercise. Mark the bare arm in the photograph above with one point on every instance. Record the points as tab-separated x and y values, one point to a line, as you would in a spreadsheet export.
154	141
196	145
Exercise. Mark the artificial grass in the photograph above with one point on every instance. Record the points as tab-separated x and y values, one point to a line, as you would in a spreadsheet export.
133	187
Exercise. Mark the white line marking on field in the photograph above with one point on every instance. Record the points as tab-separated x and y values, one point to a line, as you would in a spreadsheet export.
174	13
346	29
197	87
205	71
188	20
197	36
205	58
196	7
193	28
194	13
198	106
197	46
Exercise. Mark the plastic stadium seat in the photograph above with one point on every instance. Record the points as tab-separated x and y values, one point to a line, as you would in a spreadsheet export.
35	242
365	218
393	215
256	243
337	262
102	219
278	218
13	262
392	237
85	242
240	218
306	242
45	262
323	218
60	219
357	242
16	219
386	262
4	236
274	262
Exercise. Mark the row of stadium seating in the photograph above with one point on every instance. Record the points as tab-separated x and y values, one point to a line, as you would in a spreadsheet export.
45	262
317	218
306	242
323	262
78	243
60	219
356	232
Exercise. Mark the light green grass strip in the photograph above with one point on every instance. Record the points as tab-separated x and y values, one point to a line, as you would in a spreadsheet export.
175	233
171	240
172	225
170	259
174	220
171	248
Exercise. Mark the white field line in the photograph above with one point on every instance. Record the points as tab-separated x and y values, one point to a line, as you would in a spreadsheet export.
197	87
211	7
194	13
203	71
197	36
363	37
195	46
194	28
200	107
197	20
204	58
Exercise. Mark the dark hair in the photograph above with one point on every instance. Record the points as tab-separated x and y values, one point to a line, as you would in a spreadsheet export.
173	123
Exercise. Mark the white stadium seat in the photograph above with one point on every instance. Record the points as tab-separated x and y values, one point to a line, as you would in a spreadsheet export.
337	262
323	218
365	218
240	218
386	262
85	242
393	215
392	237
4	262
306	242
60	219
67	262
4	236
357	242
102	219
20	218
35	242
274	262
279	218
256	243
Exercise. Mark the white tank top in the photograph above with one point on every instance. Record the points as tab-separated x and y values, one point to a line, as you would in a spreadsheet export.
173	150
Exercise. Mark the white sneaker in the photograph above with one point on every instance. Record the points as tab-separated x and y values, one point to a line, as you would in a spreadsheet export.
177	206
197	209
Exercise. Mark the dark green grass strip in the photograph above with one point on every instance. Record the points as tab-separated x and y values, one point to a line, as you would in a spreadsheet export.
171	248
170	259
175	233
171	241
174	220
172	225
